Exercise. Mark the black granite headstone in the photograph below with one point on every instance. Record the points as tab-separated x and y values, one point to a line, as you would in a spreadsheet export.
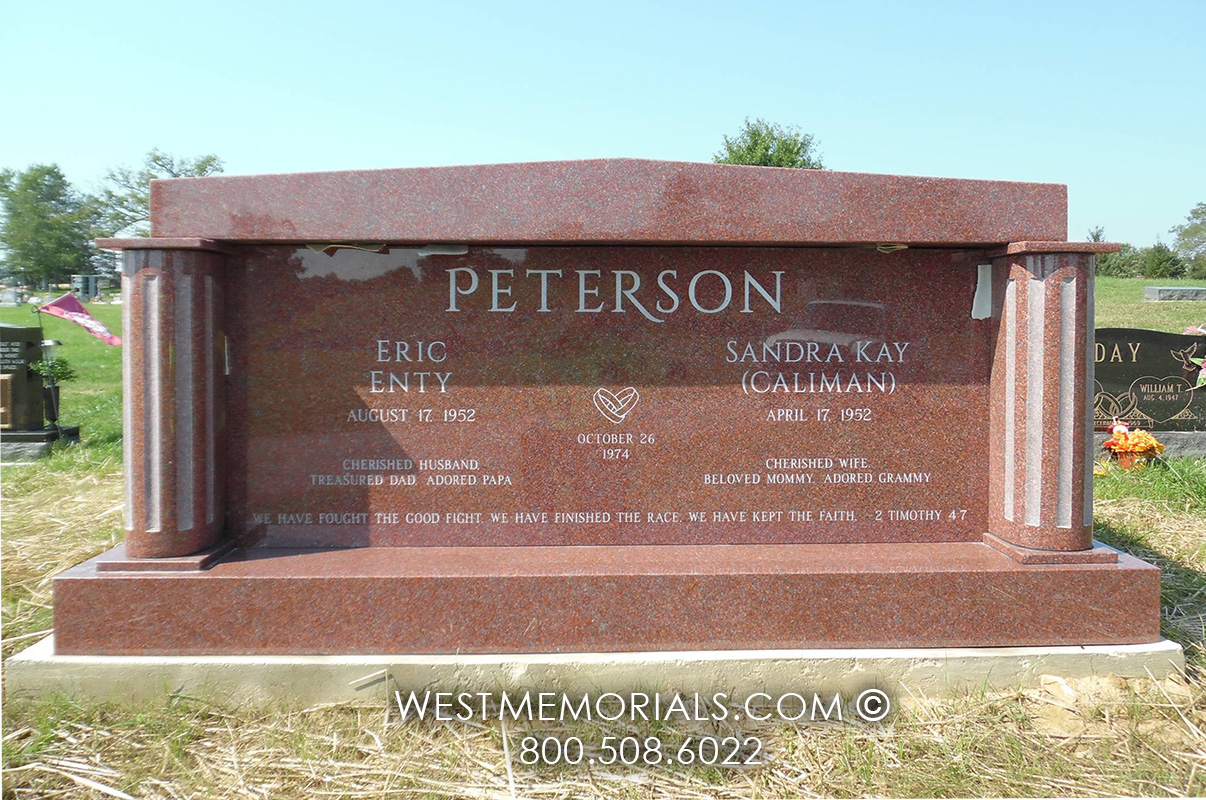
20	387
1146	379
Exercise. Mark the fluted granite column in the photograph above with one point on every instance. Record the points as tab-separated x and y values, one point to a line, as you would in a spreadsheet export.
1041	471
172	381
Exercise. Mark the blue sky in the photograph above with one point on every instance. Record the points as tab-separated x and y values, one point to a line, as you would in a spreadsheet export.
1106	97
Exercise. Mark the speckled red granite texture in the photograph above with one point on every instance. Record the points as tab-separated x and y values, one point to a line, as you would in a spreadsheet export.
298	343
147	243
608	201
174	482
300	383
1022	248
598	599
1043	275
1097	554
119	560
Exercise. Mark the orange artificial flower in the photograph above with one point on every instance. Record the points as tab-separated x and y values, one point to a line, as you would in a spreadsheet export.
1137	441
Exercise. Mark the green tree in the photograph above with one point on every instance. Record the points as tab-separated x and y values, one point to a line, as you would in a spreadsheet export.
47	225
763	144
1191	241
1191	237
1123	264
125	202
1159	261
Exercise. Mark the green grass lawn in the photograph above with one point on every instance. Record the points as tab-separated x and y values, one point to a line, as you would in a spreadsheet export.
1120	304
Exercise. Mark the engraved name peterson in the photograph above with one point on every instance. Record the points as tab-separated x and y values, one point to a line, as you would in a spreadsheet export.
708	291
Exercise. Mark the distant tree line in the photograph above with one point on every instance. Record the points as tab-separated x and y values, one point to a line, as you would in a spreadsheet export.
47	226
1185	259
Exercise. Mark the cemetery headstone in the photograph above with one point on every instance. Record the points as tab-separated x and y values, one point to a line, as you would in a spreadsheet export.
85	287
21	407
1147	379
1163	294
23	434
605	405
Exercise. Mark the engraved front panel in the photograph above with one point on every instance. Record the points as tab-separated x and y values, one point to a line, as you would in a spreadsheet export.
603	395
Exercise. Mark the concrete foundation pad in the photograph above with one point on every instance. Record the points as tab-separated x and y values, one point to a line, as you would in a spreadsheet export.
307	680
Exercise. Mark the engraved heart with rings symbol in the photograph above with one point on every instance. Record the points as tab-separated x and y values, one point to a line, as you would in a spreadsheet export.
616	406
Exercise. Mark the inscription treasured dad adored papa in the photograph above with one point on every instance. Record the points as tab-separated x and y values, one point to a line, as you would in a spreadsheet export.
605	395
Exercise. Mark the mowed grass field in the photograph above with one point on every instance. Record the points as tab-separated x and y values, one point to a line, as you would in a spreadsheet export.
1120	304
1091	737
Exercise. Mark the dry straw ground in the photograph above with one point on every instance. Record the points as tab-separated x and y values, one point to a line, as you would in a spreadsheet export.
1068	738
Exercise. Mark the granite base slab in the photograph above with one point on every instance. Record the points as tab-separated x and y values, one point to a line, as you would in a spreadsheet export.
19	447
604	599
301	681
